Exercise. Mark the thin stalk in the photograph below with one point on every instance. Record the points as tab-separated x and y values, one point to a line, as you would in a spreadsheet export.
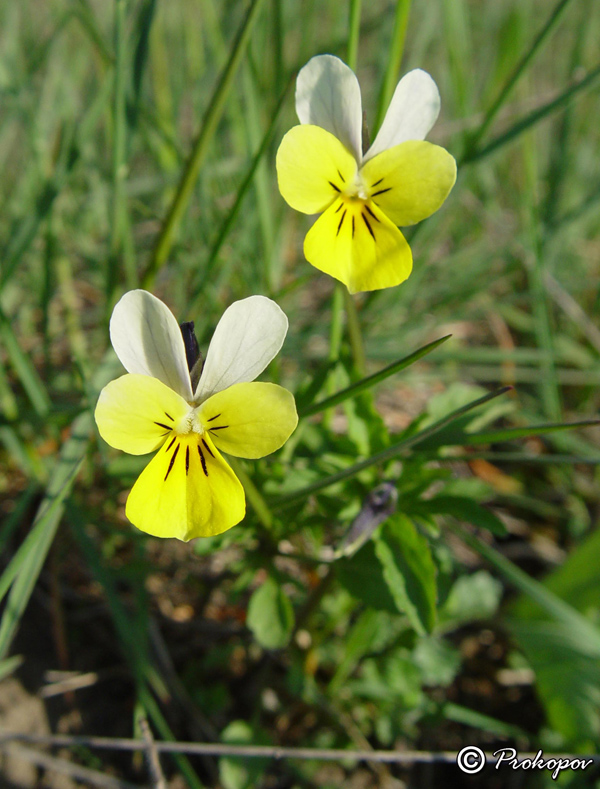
394	60
354	334
119	203
200	149
241	194
257	502
354	33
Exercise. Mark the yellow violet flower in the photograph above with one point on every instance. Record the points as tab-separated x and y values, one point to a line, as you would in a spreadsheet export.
400	180
188	490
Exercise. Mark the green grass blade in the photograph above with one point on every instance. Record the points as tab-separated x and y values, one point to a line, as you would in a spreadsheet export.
45	526
518	72
200	148
511	433
32	217
241	193
580	627
386	454
372	380
23	367
534	117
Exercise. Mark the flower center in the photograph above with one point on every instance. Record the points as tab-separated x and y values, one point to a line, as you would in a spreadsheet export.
357	190
190	423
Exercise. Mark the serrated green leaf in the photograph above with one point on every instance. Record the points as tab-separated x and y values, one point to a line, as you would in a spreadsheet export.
362	575
409	571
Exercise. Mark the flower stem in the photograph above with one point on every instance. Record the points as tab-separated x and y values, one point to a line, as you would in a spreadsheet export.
354	334
354	33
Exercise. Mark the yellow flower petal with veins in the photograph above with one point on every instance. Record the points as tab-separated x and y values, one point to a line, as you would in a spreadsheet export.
187	490
250	420
356	243
313	168
135	413
410	181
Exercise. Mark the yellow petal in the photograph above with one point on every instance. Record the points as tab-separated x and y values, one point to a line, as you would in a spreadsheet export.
356	243
136	412
312	168
410	181
187	490
250	420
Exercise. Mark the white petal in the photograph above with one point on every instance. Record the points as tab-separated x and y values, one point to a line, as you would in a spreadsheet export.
328	95
147	339
248	336
412	112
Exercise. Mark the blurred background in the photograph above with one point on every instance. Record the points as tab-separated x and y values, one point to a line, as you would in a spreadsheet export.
137	148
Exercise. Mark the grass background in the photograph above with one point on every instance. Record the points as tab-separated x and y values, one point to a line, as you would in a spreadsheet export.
137	147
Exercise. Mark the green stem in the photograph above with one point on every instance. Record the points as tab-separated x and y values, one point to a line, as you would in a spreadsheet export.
394	61
354	33
200	148
354	334
257	502
119	221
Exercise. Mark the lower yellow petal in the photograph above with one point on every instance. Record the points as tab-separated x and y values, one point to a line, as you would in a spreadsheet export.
356	243
136	412
410	181
312	168
250	420
187	490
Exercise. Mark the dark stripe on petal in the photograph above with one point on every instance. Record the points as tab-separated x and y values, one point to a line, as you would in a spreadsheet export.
339	208
372	214
187	460
203	461
168	416
340	224
381	191
172	461
342	177
171	444
208	449
213	418
334	186
352	225
222	427
378	182
369	227
166	427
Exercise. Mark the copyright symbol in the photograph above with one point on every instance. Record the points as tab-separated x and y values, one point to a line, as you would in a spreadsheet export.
471	759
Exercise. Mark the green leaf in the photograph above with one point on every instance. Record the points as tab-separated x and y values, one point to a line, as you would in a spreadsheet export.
472	597
464	509
409	571
358	642
362	576
270	615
